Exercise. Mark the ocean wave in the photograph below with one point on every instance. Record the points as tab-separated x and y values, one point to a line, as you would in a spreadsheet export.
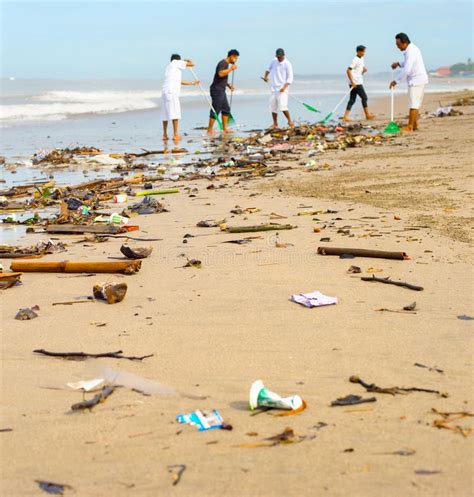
56	105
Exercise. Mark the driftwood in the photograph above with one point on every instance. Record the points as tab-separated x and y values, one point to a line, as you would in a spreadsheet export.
392	390
262	227
70	302
91	228
126	267
388	281
157	152
379	254
79	356
97	399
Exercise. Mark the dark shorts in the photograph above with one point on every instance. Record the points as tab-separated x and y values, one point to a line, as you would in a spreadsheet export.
358	90
220	103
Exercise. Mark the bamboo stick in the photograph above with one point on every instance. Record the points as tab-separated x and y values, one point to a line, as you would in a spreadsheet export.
380	254
126	267
262	227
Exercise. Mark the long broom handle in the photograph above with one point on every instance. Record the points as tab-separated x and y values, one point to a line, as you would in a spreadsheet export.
232	92
392	95
340	101
206	96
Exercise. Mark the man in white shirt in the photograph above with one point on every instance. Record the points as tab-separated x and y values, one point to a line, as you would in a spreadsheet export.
414	73
171	107
281	77
355	72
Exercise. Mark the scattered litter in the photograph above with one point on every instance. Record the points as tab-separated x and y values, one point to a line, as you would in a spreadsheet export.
464	317
286	437
203	420
7	280
449	417
354	270
111	292
351	400
79	356
313	299
261	397
392	390
434	368
26	313
400	452
410	307
196	263
97	399
427	472
136	252
53	488
176	471
388	281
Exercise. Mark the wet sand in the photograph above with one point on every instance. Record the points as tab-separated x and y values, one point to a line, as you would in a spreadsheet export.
215	330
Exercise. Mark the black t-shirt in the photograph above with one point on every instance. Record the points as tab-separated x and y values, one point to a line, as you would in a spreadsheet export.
220	83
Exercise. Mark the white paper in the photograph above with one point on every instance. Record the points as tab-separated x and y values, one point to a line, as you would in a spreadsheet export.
313	299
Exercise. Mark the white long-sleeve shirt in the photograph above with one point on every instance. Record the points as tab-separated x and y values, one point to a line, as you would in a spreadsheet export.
280	74
413	68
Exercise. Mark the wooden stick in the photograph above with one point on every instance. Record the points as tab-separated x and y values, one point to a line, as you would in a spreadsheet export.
126	267
164	151
70	302
97	399
262	227
388	281
380	254
85	355
91	228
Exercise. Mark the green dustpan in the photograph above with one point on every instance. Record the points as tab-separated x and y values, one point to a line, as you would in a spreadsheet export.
391	128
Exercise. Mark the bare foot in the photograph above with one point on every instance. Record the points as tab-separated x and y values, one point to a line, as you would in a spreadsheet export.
291	125
227	131
274	126
370	117
346	119
176	138
210	131
407	129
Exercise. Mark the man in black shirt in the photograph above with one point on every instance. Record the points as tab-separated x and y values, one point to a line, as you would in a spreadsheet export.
218	87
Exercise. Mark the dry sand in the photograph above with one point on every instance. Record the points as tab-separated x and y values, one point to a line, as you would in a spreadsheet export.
216	329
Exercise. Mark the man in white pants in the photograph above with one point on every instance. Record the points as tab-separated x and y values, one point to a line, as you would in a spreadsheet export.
414	73
170	92
281	77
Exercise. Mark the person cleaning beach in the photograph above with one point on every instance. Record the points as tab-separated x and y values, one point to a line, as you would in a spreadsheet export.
170	91
355	72
220	104
280	73
414	73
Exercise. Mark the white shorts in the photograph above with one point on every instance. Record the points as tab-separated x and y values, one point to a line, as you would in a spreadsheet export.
278	102
171	107
415	96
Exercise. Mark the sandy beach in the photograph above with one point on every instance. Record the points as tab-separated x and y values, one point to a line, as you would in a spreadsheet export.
213	331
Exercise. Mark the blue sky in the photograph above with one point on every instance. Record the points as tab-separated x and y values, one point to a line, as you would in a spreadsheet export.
133	39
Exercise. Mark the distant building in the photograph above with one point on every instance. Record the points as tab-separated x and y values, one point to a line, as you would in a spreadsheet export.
443	71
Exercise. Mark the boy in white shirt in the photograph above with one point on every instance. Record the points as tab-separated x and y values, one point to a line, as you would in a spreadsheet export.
281	77
355	72
170	92
414	73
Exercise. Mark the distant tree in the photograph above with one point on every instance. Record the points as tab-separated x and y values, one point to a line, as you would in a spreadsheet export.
461	67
